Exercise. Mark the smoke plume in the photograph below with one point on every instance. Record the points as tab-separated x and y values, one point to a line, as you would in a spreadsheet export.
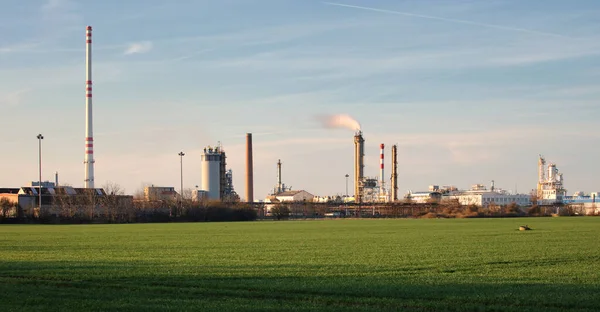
340	121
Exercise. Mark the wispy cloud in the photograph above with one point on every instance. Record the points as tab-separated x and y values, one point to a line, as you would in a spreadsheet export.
20	47
450	20
138	47
13	99
53	4
189	56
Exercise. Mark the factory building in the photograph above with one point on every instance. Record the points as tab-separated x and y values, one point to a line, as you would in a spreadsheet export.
160	193
423	197
550	189
480	196
217	181
290	197
55	198
583	203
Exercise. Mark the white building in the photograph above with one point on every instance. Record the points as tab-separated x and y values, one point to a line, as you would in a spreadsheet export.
294	196
423	197
484	198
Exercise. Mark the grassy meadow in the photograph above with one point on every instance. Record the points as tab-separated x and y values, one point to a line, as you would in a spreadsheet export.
327	265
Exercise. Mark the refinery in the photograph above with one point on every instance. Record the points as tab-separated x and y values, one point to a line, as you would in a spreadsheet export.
217	179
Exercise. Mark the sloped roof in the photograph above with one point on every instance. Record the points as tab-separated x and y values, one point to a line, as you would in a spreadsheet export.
289	193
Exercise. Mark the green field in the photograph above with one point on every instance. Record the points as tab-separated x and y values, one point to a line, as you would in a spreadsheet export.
335	265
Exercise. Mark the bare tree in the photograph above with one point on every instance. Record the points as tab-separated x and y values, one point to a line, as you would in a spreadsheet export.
111	201
5	207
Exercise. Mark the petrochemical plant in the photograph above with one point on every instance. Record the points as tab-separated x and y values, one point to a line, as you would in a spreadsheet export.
217	179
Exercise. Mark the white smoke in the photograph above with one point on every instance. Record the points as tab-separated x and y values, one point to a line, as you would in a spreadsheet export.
340	121
138	47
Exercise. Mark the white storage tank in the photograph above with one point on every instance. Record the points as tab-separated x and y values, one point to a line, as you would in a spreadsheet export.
552	173
211	173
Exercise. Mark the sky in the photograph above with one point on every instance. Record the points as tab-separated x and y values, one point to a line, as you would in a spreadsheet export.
470	91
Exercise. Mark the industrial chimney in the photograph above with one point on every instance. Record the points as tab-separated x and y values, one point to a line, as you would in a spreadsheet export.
249	170
394	186
381	175
89	134
359	153
279	185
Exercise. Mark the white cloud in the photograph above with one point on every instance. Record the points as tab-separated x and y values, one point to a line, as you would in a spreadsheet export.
53	4
138	47
12	99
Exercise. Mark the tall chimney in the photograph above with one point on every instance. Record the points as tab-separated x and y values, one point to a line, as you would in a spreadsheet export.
249	170
279	186
56	178
89	134
381	175
394	186
359	153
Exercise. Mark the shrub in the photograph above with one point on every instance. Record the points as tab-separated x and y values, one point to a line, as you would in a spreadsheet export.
535	210
280	211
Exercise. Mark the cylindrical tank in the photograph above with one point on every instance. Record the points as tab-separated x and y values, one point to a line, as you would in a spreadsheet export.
552	172
211	173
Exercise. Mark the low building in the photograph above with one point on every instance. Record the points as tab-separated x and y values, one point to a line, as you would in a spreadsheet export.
423	197
164	193
294	196
199	195
327	199
485	198
61	200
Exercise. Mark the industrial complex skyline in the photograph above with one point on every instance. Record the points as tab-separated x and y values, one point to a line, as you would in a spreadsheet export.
469	91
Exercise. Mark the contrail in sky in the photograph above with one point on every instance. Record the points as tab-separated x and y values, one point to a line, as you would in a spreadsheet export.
450	20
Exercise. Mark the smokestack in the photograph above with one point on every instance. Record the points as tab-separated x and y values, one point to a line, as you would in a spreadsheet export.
359	153
89	134
381	175
249	170
56	178
279	186
394	186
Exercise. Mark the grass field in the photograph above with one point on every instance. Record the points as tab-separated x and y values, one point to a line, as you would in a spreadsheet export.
351	265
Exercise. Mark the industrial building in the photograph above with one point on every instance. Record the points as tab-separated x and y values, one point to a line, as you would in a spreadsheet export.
583	203
550	189
282	193
217	181
55	199
480	196
426	197
160	193
290	197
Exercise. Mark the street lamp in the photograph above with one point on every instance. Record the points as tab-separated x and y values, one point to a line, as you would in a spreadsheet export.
40	137
347	175
181	154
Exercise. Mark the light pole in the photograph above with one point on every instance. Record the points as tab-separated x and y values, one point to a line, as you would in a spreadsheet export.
347	175
181	154
40	138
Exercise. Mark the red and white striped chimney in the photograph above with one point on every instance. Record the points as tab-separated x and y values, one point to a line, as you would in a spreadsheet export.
89	134
381	175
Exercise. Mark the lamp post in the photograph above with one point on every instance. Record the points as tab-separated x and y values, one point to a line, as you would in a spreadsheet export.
40	137
181	154
347	175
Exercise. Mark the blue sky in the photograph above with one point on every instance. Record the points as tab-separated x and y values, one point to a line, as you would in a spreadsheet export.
471	91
